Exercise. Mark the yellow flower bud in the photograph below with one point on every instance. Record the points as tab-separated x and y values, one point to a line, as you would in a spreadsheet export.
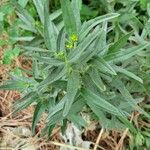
74	38
70	45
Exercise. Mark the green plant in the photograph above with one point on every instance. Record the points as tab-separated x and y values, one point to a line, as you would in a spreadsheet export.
134	15
76	67
10	55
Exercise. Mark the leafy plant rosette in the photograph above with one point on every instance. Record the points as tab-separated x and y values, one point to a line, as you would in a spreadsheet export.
76	70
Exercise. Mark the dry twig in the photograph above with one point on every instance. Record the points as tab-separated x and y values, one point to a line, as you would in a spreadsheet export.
120	143
98	139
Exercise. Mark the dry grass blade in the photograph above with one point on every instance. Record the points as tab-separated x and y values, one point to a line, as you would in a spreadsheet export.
120	143
98	139
67	146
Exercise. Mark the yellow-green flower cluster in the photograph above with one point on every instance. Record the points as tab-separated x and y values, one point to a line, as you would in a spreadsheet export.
60	55
69	45
72	40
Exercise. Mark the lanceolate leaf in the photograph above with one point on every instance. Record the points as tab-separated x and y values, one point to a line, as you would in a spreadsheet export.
102	39
40	9
107	123
23	3
58	107
127	96
78	120
89	84
103	66
75	55
48	60
24	15
25	38
61	40
50	34
68	17
120	43
95	77
125	53
55	14
26	80
40	108
100	102
72	88
56	118
22	106
94	48
14	86
54	76
99	113
128	124
128	73
76	10
94	22
77	105
25	98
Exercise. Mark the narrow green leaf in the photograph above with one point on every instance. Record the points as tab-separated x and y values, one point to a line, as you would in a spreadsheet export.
54	76
107	123
77	106
125	54
57	118
103	66
55	14
25	27
77	120
72	88
94	22
14	86
76	4
25	98
94	48
95	77
120	43
25	38
89	84
2	16
22	106
56	108
68	17
76	53
22	79
40	108
97	100
23	3
50	34
128	124
61	40
50	129
128	73
36	42
102	40
99	113
127	96
24	15
49	60
40	9
60	84
35	68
